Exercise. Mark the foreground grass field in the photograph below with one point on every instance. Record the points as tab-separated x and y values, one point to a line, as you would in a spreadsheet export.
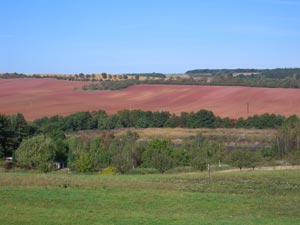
252	197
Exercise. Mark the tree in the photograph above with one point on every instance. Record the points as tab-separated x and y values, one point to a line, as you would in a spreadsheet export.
124	117
123	161
158	154
4	130
162	162
12	131
61	146
37	152
288	137
205	152
242	159
112	122
80	121
84	154
123	151
202	118
101	117
172	121
98	151
159	119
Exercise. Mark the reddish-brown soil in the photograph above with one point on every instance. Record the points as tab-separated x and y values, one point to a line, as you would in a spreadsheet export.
36	98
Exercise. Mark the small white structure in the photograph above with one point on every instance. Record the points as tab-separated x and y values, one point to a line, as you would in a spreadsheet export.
59	165
9	159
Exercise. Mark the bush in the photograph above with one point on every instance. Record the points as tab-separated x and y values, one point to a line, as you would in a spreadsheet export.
199	163
110	170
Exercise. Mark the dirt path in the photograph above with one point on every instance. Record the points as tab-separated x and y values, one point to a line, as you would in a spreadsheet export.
264	168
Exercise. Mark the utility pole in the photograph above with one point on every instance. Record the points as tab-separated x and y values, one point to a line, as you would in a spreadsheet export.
208	170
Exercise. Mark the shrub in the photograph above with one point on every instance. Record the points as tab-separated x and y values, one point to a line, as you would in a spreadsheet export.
199	163
110	170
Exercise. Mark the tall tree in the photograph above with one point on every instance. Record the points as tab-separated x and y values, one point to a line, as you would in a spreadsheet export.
37	152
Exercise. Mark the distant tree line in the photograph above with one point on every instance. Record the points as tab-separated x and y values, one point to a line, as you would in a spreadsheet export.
12	75
278	73
144	119
253	81
157	75
84	77
110	85
276	78
242	80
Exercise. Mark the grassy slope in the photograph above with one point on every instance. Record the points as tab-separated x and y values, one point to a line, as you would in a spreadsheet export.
256	197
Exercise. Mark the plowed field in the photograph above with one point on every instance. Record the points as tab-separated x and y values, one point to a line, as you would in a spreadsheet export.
36	98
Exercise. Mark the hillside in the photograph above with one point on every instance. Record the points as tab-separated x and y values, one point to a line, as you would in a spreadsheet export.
36	98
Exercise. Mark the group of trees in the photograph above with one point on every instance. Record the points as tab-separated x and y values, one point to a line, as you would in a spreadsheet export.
254	81
242	80
127	153
40	143
84	77
157	75
144	119
13	129
110	85
279	73
273	78
287	141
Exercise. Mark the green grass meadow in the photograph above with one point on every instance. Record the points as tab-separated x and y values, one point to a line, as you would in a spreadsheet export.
250	197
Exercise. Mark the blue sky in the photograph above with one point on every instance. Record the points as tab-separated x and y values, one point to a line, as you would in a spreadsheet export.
169	36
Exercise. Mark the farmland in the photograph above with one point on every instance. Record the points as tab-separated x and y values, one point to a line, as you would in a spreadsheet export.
36	98
250	197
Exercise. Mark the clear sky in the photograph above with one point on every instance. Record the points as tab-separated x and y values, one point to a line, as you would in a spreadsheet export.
122	36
